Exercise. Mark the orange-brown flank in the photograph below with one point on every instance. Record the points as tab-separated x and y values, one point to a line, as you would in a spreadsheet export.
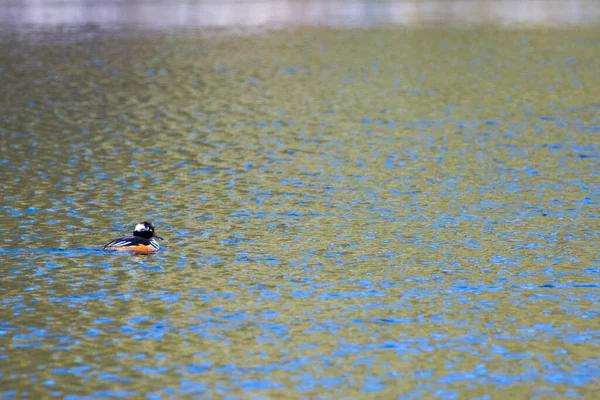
140	248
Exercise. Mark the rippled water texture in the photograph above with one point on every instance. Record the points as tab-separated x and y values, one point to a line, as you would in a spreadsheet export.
388	212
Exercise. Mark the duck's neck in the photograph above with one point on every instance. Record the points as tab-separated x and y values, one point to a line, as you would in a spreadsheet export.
143	234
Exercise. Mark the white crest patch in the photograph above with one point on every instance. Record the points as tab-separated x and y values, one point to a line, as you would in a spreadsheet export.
141	228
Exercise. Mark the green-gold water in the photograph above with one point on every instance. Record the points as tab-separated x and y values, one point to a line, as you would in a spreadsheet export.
388	212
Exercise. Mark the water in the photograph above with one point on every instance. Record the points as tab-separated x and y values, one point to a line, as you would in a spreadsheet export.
393	212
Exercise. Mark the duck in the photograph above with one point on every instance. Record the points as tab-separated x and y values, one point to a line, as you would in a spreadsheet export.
142	240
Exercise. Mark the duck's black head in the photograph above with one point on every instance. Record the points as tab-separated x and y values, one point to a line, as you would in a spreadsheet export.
145	230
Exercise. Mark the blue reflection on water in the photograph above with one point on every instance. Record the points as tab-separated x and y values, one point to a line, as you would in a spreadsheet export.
464	284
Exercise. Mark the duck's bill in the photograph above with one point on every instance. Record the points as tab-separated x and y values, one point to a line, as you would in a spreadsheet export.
158	237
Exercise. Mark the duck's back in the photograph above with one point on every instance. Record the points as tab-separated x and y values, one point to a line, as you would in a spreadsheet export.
133	243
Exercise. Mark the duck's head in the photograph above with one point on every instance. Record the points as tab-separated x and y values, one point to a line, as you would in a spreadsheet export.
145	230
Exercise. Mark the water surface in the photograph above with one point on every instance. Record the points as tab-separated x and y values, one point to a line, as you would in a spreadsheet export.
388	212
